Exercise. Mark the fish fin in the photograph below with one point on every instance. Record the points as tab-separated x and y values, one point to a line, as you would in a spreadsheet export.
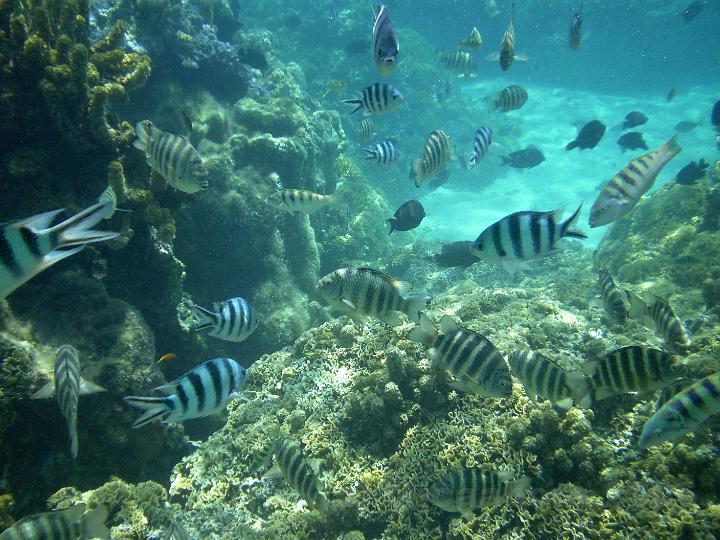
504	476
571	145
589	367
519	486
36	223
155	408
89	387
348	305
337	198
274	473
371	154
565	228
467	385
206	318
638	307
74	513
512	266
580	387
73	442
425	333
448	324
167	389
672	148
93	524
76	230
391	221
143	137
357	102
414	306
565	403
402	287
393	318
321	503
57	256
604	392
45	392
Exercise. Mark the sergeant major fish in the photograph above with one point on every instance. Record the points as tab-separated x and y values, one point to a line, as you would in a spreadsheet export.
298	473
366	130
507	45
659	311
202	391
434	156
523	236
385	42
624	190
510	98
172	157
384	153
481	145
473	41
575	35
378	98
364	291
67	386
29	246
613	297
471	358
68	524
231	320
302	201
459	61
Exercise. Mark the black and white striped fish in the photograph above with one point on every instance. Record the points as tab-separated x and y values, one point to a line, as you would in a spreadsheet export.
302	201
459	61
176	532
68	524
202	391
471	358
542	377
510	98
231	320
473	41
575	35
659	312
613	297
29	246
364	291
385	42
632	369
366	130
384	153
298	473
524	236
465	490
67	386
671	390
435	154
172	157
378	98
507	45
481	145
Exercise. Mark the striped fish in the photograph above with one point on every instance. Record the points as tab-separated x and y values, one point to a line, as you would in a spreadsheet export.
524	236
507	45
377	99
661	314
300	200
466	490
67	386
542	377
108	196
683	413
172	157
471	358
384	153
632	369
231	320
366	130
671	390
385	42
67	524
459	61
575	35
613	297
509	98
624	190
299	474
177	532
264	457
481	145
364	291
202	391
473	41
29	246
434	156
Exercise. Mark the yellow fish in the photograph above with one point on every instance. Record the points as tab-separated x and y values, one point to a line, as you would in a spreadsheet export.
168	356
335	86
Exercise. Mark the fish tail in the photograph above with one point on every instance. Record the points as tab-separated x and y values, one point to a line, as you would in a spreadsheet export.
143	137
425	333
154	407
76	230
73	440
391	221
206	318
638	306
565	229
571	145
337	198
357	102
414	305
671	148
371	154
93	524
519	486
416	171
505	160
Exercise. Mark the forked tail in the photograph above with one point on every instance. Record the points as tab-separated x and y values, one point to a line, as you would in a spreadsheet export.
155	408
565	229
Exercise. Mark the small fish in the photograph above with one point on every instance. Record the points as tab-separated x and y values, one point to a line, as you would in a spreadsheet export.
524	236
691	172
542	377
186	120
478	367
366	130
441	92
683	413
383	153
459	61
231	320
589	136
509	99
685	126
335	86
378	98
490	8
435	154
481	145
693	10
204	390
332	13
29	246
67	386
575	35
507	45
527	158
624	190
364	291
68	524
661	314
671	94
455	255
172	157
299	200
465	490
176	532
632	369
613	297
407	217
632	141
671	390
634	119
715	116
166	357
385	42
298	473
473	41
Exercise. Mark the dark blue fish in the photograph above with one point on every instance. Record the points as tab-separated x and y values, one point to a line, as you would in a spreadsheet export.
576	29
483	140
693	10
385	42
